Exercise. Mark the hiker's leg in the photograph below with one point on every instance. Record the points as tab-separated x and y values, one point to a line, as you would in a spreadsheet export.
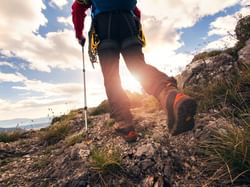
117	98
180	108
109	52
152	80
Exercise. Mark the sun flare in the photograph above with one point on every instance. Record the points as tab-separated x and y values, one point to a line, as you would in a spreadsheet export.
130	83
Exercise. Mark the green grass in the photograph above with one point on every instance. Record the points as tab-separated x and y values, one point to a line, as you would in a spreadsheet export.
228	153
41	163
106	160
205	55
227	150
101	108
54	134
233	93
10	136
76	138
59	129
109	122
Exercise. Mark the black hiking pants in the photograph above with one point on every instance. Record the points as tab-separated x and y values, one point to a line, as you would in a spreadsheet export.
118	34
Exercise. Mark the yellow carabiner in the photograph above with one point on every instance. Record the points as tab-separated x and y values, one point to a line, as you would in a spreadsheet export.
142	37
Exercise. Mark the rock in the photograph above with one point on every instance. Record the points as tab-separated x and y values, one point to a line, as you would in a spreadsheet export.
244	54
242	29
204	71
146	150
145	164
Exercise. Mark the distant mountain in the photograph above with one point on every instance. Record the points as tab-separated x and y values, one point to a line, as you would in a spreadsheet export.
24	123
7	129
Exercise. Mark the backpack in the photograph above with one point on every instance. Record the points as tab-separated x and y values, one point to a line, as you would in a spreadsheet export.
99	6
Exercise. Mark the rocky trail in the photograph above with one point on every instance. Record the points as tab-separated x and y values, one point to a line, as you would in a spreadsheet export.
156	157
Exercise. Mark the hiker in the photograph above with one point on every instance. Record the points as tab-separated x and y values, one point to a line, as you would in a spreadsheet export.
116	30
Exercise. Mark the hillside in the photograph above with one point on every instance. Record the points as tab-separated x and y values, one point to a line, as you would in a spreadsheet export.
215	153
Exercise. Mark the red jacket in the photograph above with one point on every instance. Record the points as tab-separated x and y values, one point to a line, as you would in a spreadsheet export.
78	16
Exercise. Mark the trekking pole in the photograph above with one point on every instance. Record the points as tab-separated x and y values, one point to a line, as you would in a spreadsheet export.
85	94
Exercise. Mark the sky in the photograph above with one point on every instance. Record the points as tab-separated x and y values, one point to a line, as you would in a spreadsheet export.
41	61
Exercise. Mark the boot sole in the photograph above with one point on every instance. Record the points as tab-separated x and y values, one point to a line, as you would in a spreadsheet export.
125	133
182	120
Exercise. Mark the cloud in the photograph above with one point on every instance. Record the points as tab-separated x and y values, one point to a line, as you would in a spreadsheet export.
55	50
49	89
7	64
65	20
162	19
60	50
27	18
8	77
34	107
225	27
58	3
50	95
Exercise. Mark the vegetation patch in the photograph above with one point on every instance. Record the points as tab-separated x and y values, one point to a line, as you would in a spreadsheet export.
41	163
109	122
76	138
228	153
101	108
10	136
205	55
106	160
233	93
65	118
55	133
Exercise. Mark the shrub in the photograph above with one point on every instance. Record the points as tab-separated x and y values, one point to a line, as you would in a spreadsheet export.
10	136
41	163
54	133
242	29
205	55
106	160
77	138
228	153
101	108
65	118
233	93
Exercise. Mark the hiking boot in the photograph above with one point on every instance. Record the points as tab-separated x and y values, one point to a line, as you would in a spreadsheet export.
126	131
180	112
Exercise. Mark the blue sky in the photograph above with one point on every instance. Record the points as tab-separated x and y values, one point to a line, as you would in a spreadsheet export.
40	60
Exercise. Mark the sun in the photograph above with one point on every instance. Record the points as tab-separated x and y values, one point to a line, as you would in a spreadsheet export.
130	83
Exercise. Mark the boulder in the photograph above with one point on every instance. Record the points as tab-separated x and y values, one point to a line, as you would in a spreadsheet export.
204	71
242	29
244	54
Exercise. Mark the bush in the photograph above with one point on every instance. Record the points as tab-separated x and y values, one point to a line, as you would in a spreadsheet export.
233	93
77	138
55	133
106	160
10	136
228	153
101	108
205	55
242	29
